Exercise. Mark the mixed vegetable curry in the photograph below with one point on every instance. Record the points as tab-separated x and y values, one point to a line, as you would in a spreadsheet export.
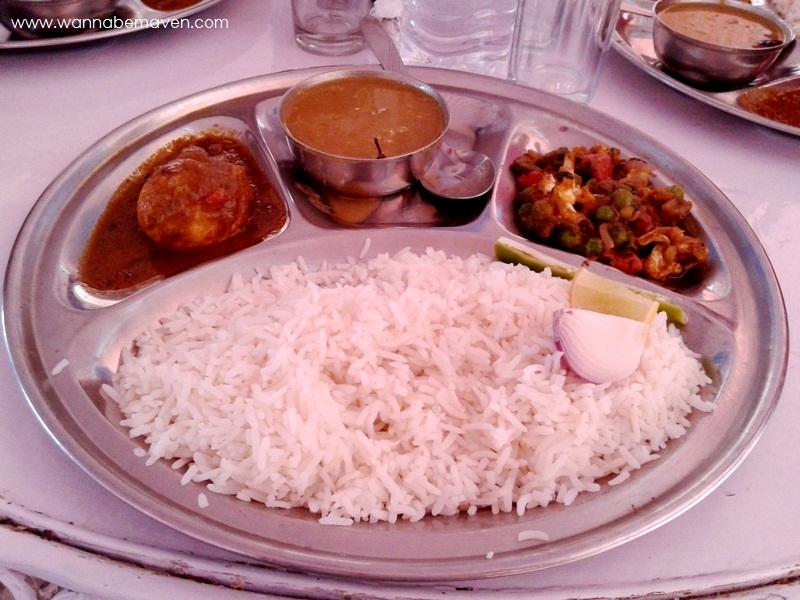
595	203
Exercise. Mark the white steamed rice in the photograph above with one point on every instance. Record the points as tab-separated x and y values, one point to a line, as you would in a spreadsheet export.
395	388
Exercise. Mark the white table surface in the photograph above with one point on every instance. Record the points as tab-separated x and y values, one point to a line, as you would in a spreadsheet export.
58	524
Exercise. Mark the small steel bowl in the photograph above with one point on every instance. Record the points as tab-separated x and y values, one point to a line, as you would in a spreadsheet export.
708	65
362	177
77	16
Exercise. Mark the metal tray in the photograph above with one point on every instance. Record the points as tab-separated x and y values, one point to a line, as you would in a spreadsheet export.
737	322
633	39
127	9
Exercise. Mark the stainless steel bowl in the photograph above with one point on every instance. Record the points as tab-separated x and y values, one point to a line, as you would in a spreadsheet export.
709	65
76	16
362	177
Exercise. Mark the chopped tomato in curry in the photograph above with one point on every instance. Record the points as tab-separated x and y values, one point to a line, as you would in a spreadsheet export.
604	207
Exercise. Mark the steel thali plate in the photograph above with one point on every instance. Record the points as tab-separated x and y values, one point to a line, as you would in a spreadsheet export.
737	322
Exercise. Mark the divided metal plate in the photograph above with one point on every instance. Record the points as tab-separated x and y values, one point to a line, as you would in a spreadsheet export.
737	322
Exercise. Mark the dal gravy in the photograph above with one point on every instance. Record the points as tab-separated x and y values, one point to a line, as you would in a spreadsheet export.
364	117
720	24
119	255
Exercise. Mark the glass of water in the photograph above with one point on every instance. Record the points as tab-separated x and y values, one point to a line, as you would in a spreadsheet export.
466	35
559	45
329	27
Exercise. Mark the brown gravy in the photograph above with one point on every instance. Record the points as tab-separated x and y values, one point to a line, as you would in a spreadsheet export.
351	117
719	24
119	256
778	105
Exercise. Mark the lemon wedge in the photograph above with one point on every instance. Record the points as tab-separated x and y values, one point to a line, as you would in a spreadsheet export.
600	294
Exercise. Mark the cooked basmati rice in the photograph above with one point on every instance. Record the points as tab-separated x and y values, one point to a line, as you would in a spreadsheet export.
331	520
532	534
63	364
394	388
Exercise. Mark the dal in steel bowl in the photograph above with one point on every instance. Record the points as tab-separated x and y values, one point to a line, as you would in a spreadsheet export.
717	43
363	133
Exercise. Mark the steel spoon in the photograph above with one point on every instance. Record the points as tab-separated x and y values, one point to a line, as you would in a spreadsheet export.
454	174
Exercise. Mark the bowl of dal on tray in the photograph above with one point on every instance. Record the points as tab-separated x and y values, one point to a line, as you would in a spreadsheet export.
363	133
717	43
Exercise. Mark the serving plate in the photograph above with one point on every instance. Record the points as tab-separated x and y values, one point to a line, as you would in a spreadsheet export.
142	15
65	342
633	39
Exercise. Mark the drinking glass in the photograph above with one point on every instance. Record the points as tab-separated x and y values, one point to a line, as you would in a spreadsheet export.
559	45
329	27
465	35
